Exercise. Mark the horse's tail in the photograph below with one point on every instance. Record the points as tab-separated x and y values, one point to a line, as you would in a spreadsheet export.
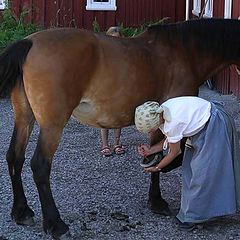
11	65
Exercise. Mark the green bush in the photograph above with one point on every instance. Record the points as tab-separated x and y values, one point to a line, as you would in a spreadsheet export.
13	28
129	31
96	26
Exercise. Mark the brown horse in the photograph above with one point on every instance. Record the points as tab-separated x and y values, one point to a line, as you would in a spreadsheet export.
57	73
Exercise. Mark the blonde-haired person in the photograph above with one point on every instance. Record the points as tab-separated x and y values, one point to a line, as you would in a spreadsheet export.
117	146
211	159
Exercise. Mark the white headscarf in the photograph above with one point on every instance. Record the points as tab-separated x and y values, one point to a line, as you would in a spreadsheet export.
147	116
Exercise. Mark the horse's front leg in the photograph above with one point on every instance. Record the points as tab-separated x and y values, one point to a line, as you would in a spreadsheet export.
155	201
41	166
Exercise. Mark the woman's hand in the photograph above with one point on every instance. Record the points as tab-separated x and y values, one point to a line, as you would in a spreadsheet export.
143	150
152	169
175	150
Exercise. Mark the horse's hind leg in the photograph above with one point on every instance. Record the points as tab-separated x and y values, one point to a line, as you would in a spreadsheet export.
48	141
24	121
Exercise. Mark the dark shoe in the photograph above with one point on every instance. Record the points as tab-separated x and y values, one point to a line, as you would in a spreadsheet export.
187	226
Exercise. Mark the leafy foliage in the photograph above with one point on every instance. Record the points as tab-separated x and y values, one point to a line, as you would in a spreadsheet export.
96	26
13	28
131	32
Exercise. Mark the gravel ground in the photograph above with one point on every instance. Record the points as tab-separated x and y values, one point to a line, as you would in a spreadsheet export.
103	198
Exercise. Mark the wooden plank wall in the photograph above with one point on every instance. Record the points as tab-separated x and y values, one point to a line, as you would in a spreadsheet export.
73	13
228	81
234	76
221	80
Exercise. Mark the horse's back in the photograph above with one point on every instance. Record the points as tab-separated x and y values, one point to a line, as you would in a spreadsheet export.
69	69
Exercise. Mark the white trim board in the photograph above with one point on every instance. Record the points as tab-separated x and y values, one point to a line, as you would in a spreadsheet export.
228	9
110	5
2	4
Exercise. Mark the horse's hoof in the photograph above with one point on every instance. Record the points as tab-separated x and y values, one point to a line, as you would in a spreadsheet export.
65	236
165	211
59	230
29	221
151	160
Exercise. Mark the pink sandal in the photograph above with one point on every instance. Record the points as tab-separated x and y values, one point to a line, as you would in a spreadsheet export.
106	151
119	149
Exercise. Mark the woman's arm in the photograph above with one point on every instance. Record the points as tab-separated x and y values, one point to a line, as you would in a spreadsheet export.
175	150
145	151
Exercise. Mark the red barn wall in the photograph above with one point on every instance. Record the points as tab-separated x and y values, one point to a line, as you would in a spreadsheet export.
228	81
65	13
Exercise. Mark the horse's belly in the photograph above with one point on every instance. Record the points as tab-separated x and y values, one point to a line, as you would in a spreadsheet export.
85	113
99	115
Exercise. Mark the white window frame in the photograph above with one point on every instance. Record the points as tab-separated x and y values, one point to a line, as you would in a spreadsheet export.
228	9
102	6
196	7
3	4
208	11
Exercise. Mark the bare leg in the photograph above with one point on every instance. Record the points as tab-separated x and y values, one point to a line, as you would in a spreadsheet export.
118	148
104	136
105	149
117	133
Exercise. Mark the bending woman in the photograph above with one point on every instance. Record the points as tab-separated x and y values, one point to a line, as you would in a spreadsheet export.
211	164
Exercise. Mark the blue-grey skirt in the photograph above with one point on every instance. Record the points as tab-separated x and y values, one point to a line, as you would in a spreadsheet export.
211	171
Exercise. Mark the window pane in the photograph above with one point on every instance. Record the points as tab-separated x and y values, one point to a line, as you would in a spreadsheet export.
108	5
2	4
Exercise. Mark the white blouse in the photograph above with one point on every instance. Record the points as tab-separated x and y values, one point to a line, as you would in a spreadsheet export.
188	115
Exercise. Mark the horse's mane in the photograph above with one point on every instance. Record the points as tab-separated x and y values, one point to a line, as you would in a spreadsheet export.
216	35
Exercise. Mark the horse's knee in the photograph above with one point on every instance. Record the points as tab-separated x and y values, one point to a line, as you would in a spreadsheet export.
15	163
41	169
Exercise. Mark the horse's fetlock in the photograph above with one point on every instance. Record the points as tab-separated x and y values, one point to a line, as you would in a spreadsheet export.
21	211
